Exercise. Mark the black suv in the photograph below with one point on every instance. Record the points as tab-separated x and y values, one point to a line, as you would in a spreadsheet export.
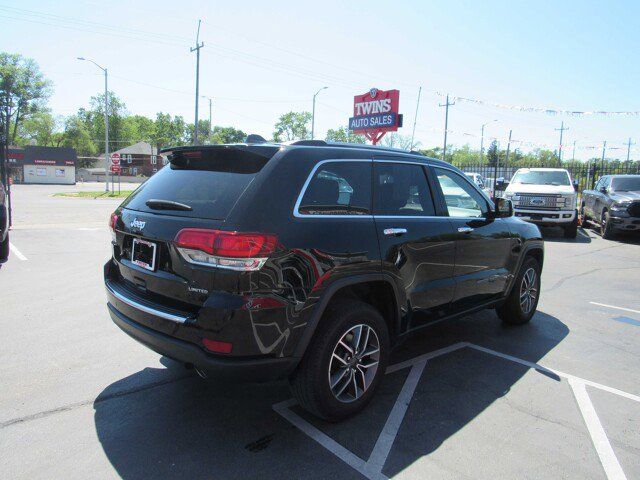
310	261
4	225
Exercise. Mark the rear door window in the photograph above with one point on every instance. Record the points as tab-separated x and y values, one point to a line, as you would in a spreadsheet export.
338	188
401	189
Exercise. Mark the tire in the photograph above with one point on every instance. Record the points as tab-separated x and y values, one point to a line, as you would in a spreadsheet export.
583	214
512	311
311	382
4	249
571	231
605	226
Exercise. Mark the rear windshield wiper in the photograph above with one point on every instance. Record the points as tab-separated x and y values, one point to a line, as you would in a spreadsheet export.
167	205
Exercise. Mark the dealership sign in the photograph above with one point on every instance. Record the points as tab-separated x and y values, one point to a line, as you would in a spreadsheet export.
376	113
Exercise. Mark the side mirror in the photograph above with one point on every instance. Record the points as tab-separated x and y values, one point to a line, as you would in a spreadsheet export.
501	184
576	185
603	189
504	208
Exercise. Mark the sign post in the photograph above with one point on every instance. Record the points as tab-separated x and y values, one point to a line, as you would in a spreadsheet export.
115	168
375	113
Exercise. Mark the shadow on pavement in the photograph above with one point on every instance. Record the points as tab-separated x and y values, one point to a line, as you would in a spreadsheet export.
556	234
187	428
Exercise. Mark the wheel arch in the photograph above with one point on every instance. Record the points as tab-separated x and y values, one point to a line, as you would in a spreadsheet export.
376	289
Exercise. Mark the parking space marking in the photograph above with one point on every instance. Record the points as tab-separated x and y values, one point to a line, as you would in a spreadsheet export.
599	437
348	457
372	468
17	252
630	321
383	445
616	308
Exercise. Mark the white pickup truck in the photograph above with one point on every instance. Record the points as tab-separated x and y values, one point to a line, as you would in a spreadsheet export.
545	196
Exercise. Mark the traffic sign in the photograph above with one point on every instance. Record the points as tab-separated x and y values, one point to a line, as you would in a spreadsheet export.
114	168
115	159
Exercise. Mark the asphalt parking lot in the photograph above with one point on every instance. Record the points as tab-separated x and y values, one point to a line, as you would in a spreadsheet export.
470	398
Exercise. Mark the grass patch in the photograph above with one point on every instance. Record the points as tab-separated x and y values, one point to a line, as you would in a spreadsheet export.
122	194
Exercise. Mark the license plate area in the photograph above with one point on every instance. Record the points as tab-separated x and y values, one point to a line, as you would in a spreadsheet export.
143	253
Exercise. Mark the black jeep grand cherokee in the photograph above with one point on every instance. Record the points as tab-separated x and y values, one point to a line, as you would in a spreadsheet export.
310	261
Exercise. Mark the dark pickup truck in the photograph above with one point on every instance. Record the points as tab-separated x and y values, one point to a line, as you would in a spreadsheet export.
614	204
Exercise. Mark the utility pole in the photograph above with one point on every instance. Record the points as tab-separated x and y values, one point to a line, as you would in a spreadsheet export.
197	50
415	119
4	154
561	130
629	143
482	137
313	115
506	162
107	160
446	125
604	149
210	125
573	157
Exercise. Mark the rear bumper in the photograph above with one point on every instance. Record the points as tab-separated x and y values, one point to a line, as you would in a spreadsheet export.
246	370
546	217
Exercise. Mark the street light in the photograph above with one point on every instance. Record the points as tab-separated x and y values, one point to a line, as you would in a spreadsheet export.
106	124
482	137
313	115
209	98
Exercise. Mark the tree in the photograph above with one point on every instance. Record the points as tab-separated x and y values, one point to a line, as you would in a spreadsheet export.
40	128
203	132
23	91
79	137
292	126
395	140
492	154
343	134
117	112
227	135
169	131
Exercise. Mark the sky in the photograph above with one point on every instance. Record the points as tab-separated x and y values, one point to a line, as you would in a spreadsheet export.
262	59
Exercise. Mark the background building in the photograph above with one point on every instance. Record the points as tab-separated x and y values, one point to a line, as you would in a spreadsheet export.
33	164
139	159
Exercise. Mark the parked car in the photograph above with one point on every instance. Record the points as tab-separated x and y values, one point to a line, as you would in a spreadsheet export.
545	196
310	261
614	204
481	183
4	225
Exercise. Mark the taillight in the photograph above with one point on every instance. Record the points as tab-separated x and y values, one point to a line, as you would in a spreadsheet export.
232	250
216	346
113	219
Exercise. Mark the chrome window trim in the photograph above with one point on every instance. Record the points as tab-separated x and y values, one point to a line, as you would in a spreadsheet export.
143	308
297	214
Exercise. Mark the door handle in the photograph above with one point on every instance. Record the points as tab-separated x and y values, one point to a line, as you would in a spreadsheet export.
394	232
465	229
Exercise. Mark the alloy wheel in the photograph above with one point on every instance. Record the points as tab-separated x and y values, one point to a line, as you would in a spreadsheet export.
354	363
528	290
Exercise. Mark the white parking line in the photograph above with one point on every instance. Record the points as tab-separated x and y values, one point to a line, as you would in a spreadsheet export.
614	307
383	445
372	469
599	438
16	252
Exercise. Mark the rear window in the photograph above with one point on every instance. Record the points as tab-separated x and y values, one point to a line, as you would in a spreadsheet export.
209	183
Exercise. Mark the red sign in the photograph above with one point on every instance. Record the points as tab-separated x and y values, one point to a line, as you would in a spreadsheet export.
376	113
114	168
115	159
